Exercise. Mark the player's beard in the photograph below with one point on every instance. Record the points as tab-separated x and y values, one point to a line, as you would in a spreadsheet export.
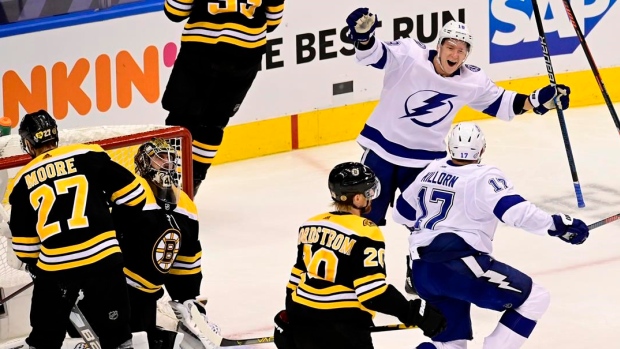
367	208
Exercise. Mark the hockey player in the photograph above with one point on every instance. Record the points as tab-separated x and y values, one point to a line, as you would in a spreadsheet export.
221	50
453	209
161	247
63	232
338	280
423	91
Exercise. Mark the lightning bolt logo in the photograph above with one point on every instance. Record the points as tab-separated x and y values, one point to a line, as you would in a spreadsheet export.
426	102
499	279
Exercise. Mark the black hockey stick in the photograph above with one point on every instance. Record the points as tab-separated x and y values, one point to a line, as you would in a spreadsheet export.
604	221
9	297
582	40
551	74
259	340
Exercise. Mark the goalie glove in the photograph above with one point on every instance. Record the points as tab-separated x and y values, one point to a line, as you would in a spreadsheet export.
195	325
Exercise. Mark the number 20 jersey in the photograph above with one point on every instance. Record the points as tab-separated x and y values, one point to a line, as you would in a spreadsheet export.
339	267
468	201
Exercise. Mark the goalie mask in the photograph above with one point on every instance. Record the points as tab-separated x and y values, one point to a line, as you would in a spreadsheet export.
156	161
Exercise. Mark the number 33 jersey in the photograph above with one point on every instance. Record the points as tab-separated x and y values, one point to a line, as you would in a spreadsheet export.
465	200
340	265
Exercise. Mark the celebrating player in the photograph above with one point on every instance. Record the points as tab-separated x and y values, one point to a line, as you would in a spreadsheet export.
63	232
222	45
452	209
338	281
422	92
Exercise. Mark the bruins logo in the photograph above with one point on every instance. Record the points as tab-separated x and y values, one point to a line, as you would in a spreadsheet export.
368	223
166	249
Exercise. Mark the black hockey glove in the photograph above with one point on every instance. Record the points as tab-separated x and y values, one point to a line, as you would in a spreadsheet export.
282	334
428	318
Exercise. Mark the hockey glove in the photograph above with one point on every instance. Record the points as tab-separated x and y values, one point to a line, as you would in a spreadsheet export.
543	99
568	229
428	318
282	334
362	24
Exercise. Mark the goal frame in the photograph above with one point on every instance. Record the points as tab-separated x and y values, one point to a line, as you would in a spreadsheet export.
132	140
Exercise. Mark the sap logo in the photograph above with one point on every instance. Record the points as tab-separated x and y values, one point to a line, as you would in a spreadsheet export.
427	108
513	34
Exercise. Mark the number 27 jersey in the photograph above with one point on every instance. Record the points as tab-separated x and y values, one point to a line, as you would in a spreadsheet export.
468	201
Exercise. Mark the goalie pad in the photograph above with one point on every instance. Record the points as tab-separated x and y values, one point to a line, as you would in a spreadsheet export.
139	341
198	332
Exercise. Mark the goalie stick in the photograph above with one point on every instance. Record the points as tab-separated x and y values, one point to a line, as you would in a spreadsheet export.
83	327
225	342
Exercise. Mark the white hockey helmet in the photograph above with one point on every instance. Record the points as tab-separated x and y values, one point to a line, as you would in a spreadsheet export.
456	30
466	142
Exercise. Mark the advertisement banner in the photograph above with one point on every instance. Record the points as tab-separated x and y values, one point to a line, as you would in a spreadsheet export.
115	71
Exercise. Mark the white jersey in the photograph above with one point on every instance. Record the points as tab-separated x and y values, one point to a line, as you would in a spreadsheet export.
465	200
417	106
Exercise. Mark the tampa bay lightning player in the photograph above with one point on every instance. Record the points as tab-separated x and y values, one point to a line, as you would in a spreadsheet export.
453	208
423	89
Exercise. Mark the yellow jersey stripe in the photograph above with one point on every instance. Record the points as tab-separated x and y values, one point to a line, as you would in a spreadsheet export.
188	259
79	247
80	263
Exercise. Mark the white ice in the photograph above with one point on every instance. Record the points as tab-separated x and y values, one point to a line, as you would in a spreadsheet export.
250	212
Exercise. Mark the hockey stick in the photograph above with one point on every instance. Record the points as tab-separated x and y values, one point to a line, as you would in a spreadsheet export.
225	342
551	74
604	221
9	297
83	327
582	40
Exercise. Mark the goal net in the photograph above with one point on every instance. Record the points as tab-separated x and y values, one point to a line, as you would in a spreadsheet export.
120	142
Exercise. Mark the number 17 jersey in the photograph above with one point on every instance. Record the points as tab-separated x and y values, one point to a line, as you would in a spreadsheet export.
468	201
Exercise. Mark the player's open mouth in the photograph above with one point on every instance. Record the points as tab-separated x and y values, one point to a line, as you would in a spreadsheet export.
450	63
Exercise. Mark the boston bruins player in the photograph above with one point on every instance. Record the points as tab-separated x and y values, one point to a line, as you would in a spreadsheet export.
338	281
63	231
222	46
160	244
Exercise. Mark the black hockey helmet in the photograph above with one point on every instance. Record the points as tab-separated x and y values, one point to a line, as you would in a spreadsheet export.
351	178
38	128
156	161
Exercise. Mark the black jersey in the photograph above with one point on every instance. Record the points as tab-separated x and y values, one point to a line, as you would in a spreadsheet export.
227	30
161	248
340	267
60	217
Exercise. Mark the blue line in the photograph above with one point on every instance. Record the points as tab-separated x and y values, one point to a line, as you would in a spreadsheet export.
71	19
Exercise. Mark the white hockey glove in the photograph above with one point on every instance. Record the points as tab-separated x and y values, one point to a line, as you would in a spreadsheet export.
195	325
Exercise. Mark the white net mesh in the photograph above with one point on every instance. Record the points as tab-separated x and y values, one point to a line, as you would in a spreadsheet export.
120	142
